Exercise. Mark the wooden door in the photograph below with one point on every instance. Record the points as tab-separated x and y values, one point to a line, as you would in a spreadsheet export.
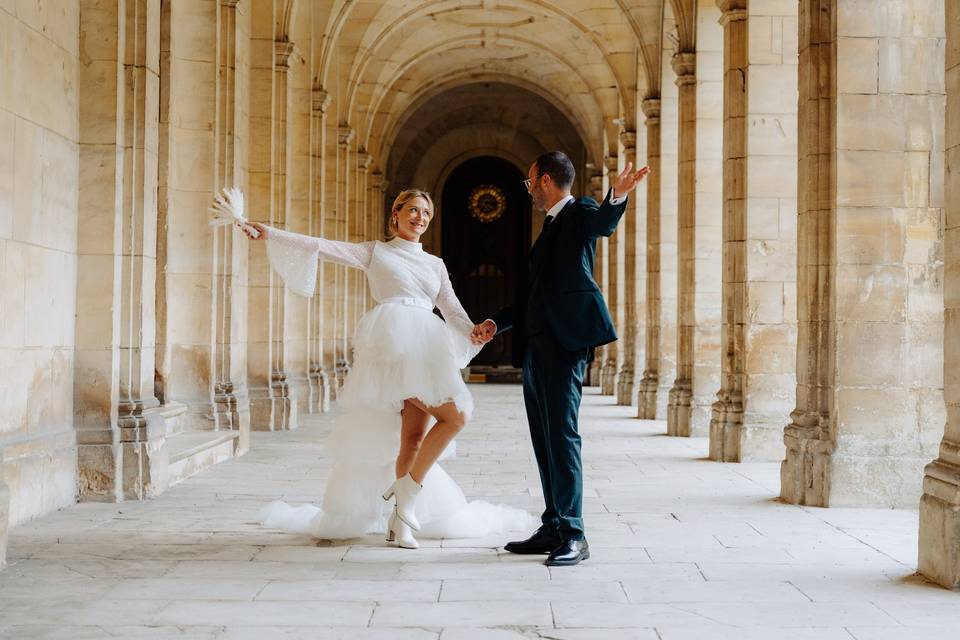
486	232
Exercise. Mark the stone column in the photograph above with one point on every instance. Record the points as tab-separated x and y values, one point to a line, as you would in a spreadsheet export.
378	190
346	134
939	558
669	180
699	77
647	392
611	363
359	234
4	516
121	453
273	402
595	371
319	378
681	394
231	404
626	386
759	257
869	406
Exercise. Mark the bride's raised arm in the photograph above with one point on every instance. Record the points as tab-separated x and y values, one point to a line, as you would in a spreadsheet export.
293	255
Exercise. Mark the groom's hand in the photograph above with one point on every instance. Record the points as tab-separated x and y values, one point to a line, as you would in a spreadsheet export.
483	332
628	180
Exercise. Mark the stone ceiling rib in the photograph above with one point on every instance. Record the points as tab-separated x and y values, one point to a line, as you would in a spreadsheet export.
592	140
284	18
461	79
584	88
621	73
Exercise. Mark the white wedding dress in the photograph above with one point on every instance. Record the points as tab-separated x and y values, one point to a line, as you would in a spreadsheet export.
401	350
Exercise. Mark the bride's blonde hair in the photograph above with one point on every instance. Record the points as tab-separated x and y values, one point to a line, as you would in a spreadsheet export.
403	198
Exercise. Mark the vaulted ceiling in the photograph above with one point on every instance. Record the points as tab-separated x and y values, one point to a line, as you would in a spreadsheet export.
383	60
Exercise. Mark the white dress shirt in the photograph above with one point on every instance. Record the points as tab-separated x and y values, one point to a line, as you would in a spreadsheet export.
557	208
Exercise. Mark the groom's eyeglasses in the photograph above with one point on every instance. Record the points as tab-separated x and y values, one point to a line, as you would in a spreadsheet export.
528	182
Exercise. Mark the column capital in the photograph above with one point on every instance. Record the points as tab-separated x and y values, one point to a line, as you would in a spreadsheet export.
733	10
684	64
320	99
628	139
364	160
651	109
345	135
231	4
596	185
612	163
377	180
282	50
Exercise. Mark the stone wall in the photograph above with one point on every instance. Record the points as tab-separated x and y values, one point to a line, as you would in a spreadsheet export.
760	237
40	46
869	373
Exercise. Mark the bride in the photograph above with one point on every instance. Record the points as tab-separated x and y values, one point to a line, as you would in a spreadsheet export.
406	373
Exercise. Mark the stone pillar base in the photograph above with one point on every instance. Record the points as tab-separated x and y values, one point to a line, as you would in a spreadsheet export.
940	518
232	411
274	408
608	378
679	409
340	376
625	387
135	468
319	401
4	519
805	472
647	396
726	429
594	373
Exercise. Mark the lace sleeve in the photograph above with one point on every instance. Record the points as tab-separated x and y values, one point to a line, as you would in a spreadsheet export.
457	319
294	257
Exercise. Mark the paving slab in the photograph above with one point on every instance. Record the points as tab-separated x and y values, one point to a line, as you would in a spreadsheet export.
683	549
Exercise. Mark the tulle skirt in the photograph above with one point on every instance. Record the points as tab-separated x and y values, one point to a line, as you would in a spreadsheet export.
400	352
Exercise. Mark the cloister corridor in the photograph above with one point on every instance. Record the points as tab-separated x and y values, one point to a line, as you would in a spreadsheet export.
683	548
772	441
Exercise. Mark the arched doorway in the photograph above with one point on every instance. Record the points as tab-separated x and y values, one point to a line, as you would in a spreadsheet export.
486	233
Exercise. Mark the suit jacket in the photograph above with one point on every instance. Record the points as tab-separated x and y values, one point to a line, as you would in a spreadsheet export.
560	275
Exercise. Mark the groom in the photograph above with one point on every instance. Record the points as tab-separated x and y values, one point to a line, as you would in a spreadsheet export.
558	315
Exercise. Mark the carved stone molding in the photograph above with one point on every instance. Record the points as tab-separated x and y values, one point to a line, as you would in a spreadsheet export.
320	99
345	135
282	50
685	66
651	110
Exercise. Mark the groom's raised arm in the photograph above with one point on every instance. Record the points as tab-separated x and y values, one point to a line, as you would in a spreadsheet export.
603	220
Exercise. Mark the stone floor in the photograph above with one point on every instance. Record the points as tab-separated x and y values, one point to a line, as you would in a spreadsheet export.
683	549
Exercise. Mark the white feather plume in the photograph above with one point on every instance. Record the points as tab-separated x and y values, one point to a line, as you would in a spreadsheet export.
228	208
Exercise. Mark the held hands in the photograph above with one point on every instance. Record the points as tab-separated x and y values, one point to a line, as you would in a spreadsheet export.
483	332
628	180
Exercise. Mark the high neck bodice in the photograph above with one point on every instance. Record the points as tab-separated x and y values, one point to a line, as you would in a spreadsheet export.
405	245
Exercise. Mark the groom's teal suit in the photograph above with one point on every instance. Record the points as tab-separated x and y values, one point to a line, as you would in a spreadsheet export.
558	315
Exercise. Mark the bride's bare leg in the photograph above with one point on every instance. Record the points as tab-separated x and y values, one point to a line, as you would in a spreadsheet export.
450	422
414	427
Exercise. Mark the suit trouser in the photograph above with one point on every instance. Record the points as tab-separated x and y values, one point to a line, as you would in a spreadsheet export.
552	389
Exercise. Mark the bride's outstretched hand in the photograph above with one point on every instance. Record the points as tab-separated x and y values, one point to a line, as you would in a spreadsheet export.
254	230
483	332
229	208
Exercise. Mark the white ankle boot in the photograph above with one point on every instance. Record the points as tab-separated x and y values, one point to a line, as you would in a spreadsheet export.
406	490
399	533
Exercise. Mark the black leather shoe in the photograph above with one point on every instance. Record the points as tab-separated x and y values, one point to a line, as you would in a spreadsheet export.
539	542
569	553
